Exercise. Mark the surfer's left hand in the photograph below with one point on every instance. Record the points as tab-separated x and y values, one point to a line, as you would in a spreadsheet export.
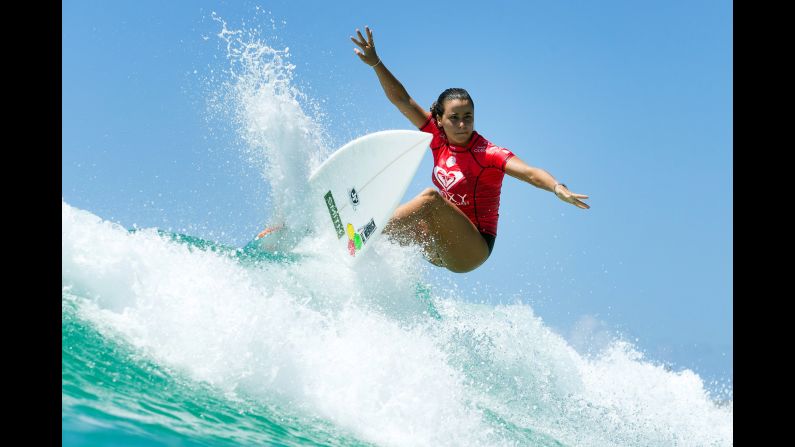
565	195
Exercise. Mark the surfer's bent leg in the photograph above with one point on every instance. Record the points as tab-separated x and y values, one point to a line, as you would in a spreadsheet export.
448	238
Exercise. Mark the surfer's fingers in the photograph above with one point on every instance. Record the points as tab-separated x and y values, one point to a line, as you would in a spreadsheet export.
369	36
360	44
360	41
582	205
364	41
580	196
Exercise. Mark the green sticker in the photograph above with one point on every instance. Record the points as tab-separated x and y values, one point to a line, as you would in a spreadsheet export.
357	240
335	215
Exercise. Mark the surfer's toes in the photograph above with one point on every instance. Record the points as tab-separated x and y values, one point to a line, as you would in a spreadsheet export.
269	230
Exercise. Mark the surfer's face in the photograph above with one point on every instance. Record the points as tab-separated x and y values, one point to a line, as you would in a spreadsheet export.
458	121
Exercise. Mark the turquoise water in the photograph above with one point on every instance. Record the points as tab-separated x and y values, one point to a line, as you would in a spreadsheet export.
173	340
112	395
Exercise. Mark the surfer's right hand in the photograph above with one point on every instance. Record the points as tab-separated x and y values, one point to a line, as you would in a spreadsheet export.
367	54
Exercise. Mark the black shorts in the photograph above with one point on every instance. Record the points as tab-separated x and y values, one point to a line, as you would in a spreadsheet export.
489	240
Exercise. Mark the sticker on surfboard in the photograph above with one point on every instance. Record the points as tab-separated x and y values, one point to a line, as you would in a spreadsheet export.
357	239
334	213
367	230
354	198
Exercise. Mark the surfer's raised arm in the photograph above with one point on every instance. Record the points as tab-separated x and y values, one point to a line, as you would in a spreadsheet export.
394	90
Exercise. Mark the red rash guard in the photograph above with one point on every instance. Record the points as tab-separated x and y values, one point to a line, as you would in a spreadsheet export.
469	176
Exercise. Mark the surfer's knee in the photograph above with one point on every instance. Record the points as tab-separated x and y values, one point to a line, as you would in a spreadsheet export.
430	196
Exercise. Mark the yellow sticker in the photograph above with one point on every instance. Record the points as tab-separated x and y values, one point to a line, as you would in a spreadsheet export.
351	231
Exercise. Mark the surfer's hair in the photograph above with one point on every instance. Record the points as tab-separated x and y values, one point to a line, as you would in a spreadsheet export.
437	109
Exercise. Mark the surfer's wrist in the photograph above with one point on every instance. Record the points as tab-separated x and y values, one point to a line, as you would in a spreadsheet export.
376	64
555	188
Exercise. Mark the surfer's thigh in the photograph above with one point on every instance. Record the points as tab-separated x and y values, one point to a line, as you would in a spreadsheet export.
457	241
408	223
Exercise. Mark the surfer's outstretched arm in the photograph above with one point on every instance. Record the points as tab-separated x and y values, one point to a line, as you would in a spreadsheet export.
542	179
394	90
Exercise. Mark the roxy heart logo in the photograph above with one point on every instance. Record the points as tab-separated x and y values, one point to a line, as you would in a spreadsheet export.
447	179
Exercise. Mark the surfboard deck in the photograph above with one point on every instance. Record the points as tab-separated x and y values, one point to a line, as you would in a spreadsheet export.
356	190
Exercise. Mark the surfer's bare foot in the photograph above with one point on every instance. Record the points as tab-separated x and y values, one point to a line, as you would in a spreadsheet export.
269	230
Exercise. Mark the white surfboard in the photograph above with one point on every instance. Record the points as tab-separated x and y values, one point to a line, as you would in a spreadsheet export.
353	194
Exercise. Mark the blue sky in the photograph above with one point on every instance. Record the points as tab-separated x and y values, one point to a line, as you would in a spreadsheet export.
630	103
